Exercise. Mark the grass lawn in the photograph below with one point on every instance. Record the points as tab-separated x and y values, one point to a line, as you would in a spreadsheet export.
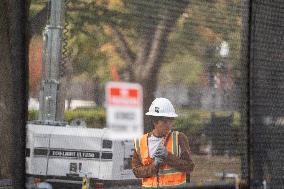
207	166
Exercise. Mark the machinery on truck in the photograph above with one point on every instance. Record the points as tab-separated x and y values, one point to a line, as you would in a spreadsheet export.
57	152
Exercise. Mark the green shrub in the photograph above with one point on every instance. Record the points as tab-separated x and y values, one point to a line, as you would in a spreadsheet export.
94	118
192	123
32	115
194	120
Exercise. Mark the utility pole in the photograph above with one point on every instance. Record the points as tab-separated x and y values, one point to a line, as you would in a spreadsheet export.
50	109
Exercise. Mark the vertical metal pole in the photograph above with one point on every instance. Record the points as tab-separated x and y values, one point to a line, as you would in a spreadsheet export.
56	43
51	58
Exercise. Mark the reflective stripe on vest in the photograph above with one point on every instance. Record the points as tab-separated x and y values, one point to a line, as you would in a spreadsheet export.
137	147
168	176
176	179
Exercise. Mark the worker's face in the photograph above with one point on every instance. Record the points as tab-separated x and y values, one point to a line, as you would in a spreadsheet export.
163	126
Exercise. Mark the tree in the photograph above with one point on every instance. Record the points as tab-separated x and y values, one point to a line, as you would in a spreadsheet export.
13	93
153	22
136	35
139	30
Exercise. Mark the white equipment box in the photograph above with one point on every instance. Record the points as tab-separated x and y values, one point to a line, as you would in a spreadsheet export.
68	152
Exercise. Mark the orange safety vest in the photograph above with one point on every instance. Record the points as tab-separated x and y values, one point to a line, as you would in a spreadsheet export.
168	176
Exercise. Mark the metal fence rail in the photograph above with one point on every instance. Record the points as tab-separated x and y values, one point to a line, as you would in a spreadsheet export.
6	184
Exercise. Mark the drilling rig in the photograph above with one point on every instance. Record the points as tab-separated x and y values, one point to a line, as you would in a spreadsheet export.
50	110
57	152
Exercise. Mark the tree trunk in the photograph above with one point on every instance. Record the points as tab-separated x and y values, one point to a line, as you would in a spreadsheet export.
13	90
144	66
5	96
148	96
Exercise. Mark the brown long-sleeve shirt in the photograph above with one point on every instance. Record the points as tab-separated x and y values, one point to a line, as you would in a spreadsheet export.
183	163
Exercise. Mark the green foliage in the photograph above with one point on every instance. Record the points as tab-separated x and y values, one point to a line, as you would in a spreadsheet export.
88	59
32	115
145	14
200	31
193	121
184	69
90	37
135	19
94	118
204	24
36	6
192	126
195	124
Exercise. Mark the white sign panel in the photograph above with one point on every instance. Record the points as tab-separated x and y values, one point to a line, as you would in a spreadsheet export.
124	104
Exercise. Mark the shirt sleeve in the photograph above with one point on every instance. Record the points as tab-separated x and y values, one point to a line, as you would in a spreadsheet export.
140	170
184	162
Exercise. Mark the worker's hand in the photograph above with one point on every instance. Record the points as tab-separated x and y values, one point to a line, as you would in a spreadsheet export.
161	152
158	161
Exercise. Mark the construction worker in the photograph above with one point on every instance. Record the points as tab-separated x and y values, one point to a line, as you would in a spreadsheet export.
162	157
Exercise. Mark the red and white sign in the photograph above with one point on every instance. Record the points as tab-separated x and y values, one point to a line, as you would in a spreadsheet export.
124	96
124	104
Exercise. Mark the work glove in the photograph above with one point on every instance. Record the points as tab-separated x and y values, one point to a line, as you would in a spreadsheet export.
158	161
161	152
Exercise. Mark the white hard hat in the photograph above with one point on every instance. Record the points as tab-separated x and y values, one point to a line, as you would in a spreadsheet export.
162	107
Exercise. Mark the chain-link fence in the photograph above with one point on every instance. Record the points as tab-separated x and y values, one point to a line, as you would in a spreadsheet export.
266	102
219	62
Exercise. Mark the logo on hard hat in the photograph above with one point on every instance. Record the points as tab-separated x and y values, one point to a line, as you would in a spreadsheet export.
157	109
